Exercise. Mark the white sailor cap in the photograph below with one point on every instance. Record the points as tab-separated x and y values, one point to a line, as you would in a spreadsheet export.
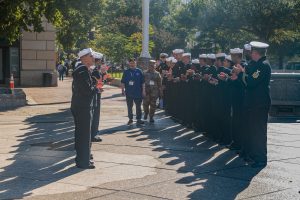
169	59
259	45
163	55
211	56
228	57
220	55
84	52
236	51
203	56
186	54
98	55
247	47
152	61
174	60
195	61
178	51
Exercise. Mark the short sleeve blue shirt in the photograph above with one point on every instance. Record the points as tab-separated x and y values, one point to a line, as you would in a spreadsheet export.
133	80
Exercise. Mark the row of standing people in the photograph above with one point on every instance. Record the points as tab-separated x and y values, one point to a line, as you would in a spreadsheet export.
223	96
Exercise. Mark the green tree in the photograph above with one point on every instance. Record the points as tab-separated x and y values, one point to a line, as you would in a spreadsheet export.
273	21
72	18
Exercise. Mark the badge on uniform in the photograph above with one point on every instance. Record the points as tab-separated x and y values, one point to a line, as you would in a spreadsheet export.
131	83
151	83
256	74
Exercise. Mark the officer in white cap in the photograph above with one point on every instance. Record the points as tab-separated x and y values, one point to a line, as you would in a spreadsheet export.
257	104
83	91
97	98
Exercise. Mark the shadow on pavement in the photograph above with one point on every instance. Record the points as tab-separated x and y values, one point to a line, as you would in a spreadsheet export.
219	173
43	155
284	119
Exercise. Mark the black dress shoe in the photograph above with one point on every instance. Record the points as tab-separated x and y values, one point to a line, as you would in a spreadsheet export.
258	164
90	166
130	122
140	122
96	139
145	116
151	120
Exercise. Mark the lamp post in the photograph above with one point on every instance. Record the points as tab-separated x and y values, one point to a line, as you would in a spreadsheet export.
144	58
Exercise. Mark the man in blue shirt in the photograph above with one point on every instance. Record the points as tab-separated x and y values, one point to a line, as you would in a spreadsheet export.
133	87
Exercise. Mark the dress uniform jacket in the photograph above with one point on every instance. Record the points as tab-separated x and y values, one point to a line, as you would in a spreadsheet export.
256	106
83	91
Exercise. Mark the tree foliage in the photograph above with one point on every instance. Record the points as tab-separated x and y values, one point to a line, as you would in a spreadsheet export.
227	22
72	18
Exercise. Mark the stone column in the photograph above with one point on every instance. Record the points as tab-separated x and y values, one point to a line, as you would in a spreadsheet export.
143	60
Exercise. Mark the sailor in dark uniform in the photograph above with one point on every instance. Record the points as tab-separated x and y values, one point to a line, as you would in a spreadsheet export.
177	72
163	63
210	78
162	69
201	95
178	69
83	91
237	90
257	103
222	98
97	98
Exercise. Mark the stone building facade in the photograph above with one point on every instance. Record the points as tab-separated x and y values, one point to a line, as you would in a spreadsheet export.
29	58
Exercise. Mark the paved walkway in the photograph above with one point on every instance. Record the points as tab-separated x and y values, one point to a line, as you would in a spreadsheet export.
161	161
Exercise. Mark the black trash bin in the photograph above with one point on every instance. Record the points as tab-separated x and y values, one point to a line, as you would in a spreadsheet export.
47	79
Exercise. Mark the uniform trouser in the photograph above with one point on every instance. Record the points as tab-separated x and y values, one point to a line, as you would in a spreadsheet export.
82	120
236	126
96	116
61	76
149	104
255	140
226	125
198	112
138	104
205	105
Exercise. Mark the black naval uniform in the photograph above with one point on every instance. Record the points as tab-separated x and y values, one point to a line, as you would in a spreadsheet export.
83	91
211	101
202	100
237	91
96	105
163	67
177	70
223	111
256	105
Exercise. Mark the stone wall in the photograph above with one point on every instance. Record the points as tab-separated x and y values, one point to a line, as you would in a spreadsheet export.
38	56
15	99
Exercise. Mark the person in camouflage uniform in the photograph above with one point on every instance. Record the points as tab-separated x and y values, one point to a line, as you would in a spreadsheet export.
153	87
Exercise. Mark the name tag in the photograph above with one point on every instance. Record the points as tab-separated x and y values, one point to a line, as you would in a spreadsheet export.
131	83
151	83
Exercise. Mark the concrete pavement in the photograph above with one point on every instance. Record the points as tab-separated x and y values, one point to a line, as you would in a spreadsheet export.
160	161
